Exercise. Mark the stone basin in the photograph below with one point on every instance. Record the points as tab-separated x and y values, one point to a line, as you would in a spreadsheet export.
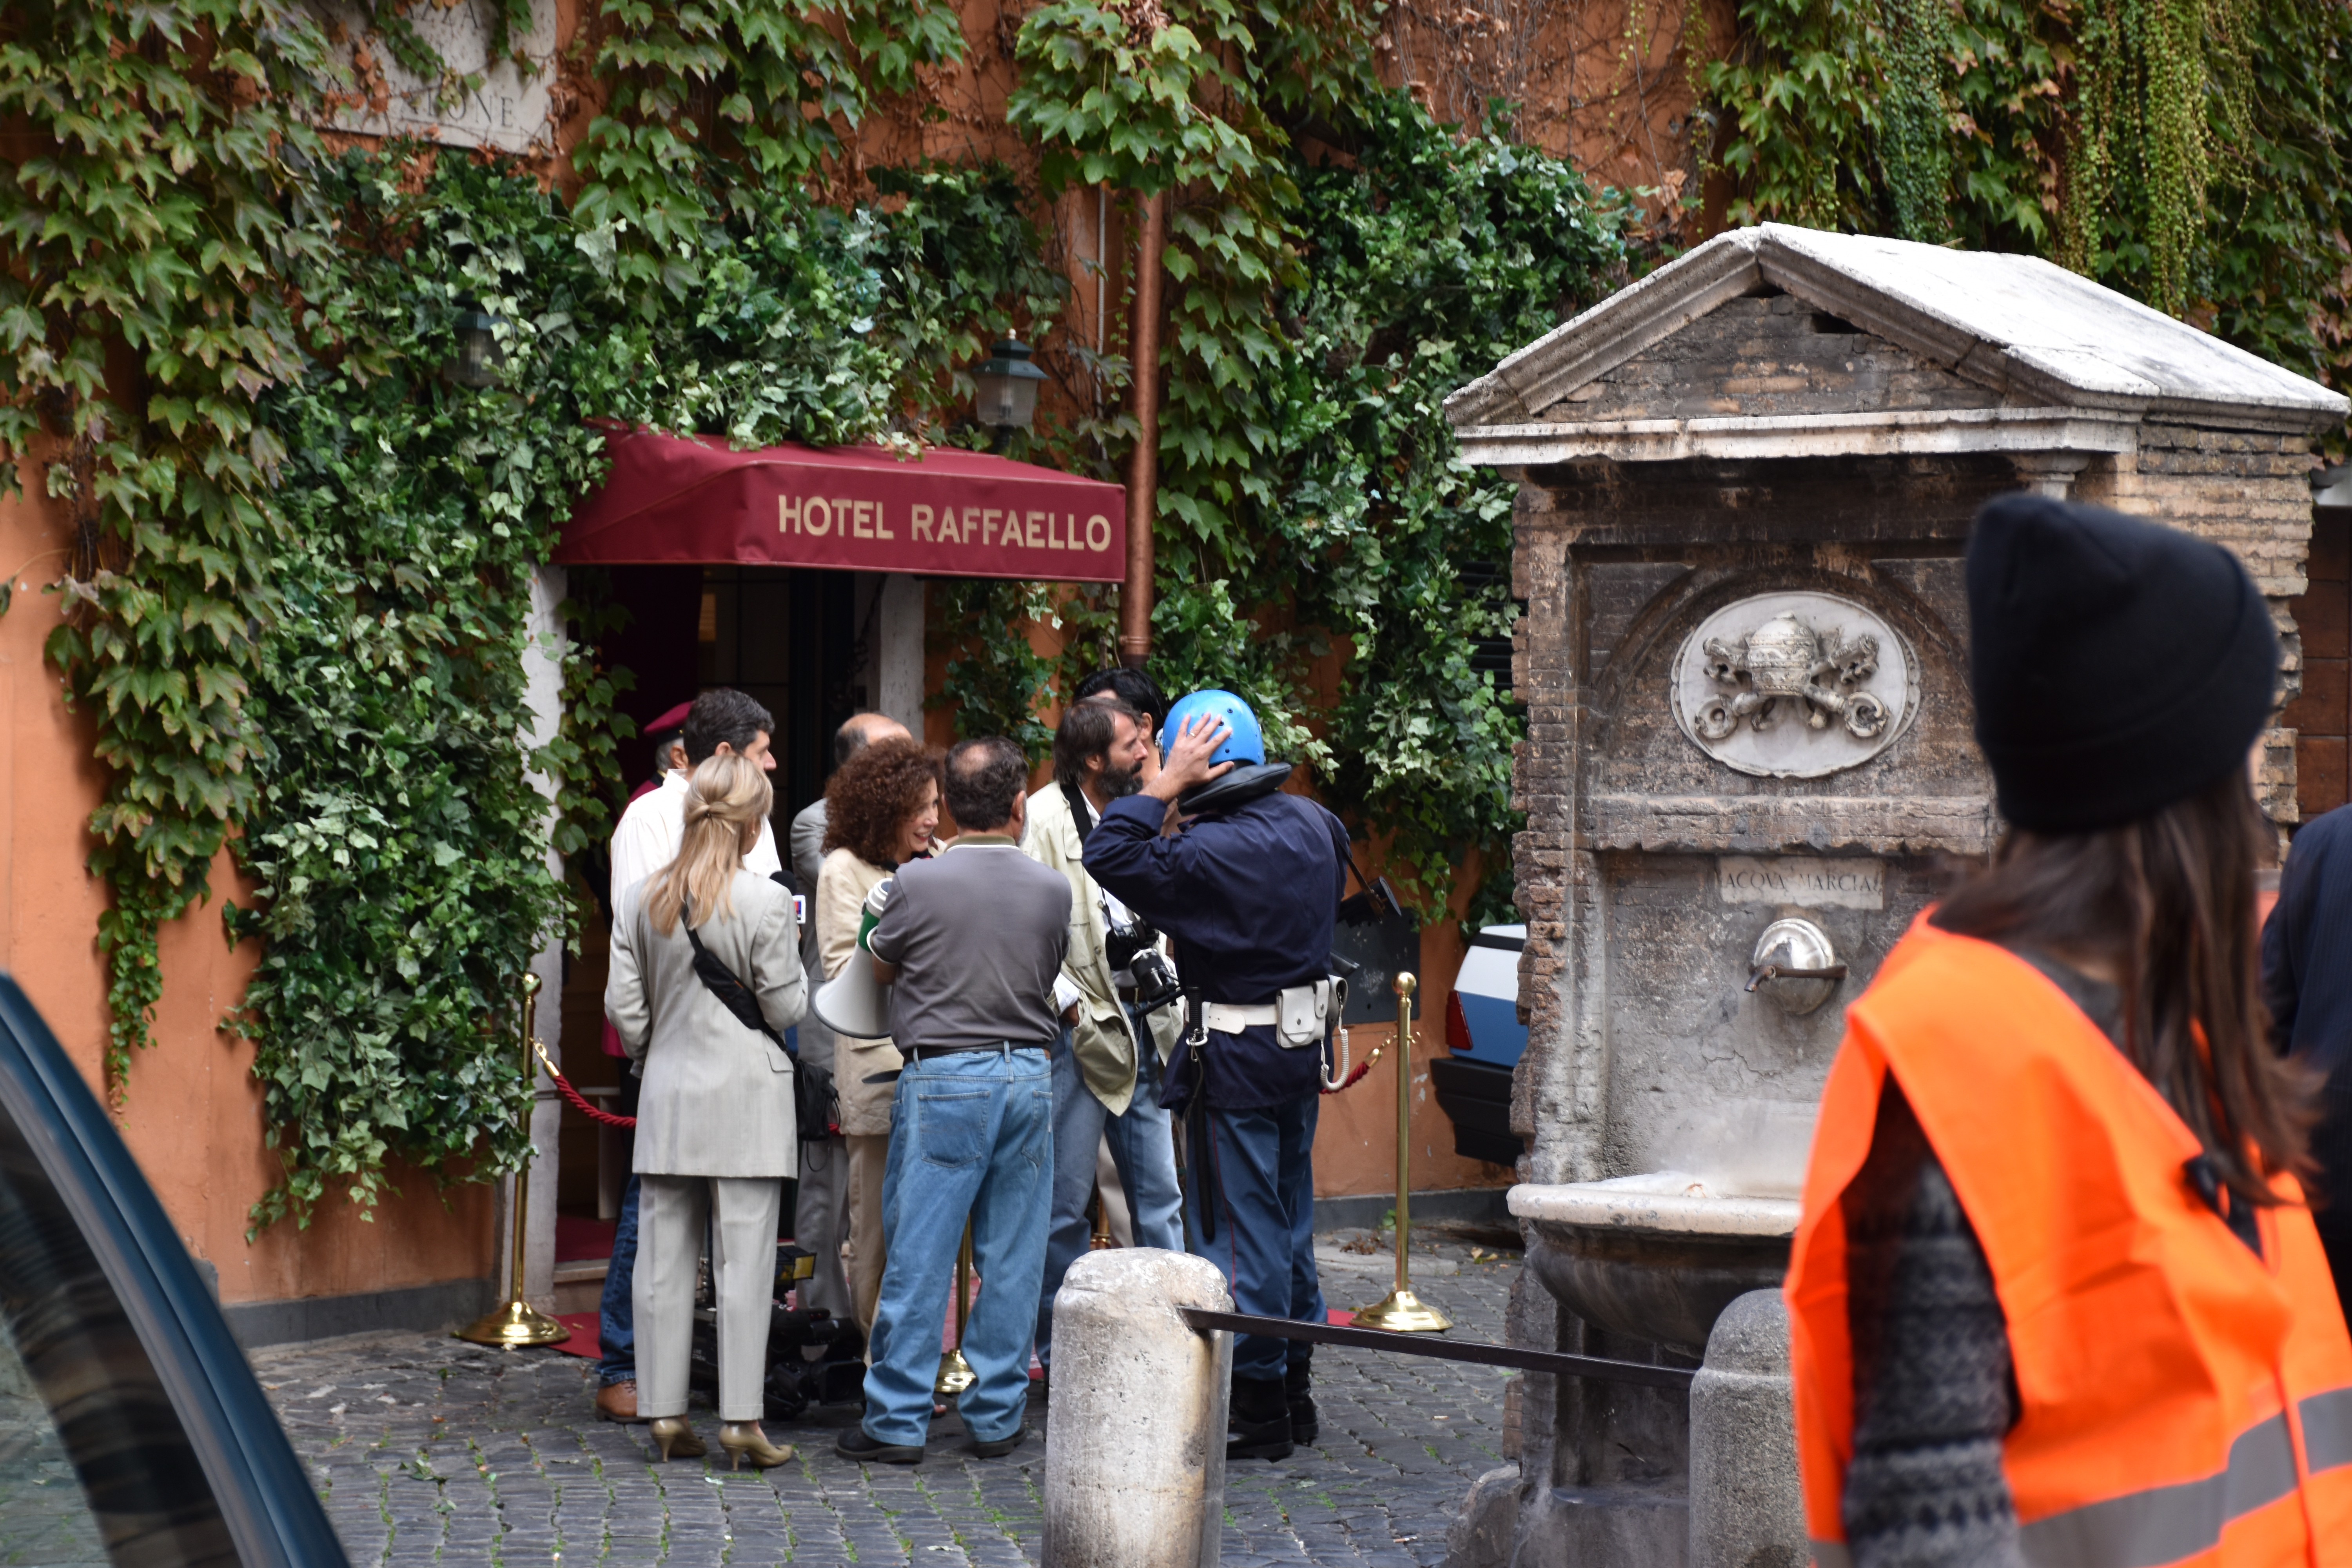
1655	1257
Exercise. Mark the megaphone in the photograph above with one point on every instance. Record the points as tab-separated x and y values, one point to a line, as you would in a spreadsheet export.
854	1003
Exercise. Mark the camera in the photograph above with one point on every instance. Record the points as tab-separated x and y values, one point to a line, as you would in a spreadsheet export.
1155	980
1133	948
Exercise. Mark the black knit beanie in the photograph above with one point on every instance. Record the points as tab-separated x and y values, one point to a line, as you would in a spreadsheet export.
2117	665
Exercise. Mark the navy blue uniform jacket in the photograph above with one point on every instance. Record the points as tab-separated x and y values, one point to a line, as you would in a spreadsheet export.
2307	978
1250	895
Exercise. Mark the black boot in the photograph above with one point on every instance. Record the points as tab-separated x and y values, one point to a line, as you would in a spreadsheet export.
1258	1424
1298	1389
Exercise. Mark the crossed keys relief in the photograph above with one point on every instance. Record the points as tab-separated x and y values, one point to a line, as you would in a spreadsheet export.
1786	662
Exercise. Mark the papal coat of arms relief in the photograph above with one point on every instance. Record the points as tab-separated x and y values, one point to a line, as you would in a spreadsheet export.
1784	667
1794	685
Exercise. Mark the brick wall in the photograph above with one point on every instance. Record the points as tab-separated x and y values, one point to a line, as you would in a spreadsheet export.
2321	716
1768	355
2249	490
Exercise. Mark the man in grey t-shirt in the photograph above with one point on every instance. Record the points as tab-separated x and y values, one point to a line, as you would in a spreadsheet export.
970	941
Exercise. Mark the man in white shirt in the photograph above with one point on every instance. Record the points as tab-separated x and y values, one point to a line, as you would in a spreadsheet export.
821	1215
645	841
647	838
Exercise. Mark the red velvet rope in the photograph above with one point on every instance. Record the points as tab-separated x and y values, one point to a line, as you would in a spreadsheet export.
580	1102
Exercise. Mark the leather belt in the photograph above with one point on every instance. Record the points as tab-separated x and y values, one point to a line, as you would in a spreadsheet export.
1231	1018
1001	1047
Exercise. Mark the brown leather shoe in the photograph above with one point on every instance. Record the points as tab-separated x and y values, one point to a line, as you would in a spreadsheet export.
617	1402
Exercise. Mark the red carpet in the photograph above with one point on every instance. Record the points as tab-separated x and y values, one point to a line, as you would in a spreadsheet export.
583	1240
1337	1317
582	1341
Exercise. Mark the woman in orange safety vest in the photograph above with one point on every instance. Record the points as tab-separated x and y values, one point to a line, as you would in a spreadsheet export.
2056	1299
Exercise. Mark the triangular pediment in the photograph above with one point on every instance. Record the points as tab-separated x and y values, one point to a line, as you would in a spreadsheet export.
1939	328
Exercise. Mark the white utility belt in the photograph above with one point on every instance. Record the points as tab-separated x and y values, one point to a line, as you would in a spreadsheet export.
1297	1014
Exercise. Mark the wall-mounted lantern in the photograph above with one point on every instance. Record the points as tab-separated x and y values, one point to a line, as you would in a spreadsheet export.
1008	385
479	354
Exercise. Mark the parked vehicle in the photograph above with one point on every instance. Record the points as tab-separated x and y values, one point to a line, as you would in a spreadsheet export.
1485	1037
132	1429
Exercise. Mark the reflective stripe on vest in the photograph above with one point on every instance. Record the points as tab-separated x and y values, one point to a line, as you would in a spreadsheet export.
2149	1344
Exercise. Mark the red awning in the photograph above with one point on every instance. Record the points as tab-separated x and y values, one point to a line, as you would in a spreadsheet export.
949	513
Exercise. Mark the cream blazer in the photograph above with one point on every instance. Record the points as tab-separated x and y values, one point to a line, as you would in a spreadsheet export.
717	1096
842	884
1102	1039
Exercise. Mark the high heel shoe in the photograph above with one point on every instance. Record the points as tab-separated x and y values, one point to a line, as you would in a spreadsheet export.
743	1440
675	1438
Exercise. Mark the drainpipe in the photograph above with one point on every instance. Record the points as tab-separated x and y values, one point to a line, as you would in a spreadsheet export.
1143	467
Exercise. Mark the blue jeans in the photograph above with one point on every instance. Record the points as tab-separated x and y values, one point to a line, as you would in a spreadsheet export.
1141	1146
616	1334
1257	1167
971	1136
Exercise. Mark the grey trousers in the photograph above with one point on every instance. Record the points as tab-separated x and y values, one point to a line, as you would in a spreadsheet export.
741	1213
821	1224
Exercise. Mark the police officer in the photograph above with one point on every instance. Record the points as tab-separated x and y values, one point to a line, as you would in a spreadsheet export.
1249	889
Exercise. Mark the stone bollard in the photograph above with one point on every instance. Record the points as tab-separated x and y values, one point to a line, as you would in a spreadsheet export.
1745	1510
1135	1442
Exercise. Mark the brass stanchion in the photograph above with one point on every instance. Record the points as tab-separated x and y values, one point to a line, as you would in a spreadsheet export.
1401	1311
1101	1240
519	1323
955	1372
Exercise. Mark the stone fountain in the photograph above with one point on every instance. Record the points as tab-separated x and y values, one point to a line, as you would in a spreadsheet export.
1744	485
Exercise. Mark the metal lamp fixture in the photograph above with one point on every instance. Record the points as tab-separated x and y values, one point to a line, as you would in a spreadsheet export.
479	354
1008	386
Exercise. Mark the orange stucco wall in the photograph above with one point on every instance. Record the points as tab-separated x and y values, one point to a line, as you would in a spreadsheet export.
194	1118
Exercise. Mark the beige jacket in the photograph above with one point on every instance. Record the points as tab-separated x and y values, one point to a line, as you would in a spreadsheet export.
718	1097
1101	1039
842	884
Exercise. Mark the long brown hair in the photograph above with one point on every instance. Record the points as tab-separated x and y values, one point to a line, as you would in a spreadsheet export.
2168	901
728	793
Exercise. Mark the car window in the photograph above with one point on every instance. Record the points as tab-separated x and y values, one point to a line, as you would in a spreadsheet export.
95	1466
44	1517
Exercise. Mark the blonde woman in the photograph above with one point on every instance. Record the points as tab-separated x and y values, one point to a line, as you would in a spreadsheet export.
716	1133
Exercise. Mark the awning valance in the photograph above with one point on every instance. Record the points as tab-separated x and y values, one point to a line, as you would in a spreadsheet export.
949	513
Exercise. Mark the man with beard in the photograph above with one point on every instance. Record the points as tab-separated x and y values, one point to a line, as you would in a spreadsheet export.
1107	1065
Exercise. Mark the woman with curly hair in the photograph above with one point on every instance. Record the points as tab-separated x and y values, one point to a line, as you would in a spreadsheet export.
881	809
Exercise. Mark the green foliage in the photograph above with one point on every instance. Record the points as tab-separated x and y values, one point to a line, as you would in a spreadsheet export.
400	840
1915	148
152	213
1428	260
2189	152
710	106
1315	502
399	843
997	683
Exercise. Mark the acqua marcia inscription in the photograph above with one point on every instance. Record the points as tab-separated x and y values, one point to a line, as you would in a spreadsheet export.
1804	880
1794	685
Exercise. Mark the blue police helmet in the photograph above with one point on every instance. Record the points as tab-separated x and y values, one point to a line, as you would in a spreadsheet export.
1245	742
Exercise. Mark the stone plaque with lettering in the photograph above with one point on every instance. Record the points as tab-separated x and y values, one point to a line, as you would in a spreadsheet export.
1805	880
509	109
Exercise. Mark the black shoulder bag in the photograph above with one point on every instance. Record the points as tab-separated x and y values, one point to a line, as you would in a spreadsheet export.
815	1104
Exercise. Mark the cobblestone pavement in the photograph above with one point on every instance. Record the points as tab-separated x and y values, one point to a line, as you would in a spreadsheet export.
428	1450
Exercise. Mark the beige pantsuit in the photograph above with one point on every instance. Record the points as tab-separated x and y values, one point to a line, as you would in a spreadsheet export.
843	881
869	1159
716	1133
742	1213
